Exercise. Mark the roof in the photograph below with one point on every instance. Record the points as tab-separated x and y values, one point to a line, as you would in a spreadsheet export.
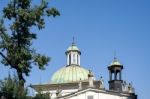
64	86
96	90
115	62
73	47
68	74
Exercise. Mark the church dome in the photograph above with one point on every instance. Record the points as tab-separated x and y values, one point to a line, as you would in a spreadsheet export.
69	74
72	72
115	62
73	47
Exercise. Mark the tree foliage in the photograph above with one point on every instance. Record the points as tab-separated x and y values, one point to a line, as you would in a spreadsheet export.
16	38
10	89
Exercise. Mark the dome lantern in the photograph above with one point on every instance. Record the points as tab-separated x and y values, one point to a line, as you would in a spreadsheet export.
73	55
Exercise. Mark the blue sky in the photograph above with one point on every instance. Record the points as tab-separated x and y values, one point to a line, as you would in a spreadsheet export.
100	27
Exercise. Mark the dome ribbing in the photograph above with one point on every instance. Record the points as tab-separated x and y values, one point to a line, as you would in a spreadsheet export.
69	74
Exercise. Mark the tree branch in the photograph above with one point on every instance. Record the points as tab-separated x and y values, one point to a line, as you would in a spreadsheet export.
8	61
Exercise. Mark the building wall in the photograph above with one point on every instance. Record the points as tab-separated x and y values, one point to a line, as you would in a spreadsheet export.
64	92
95	95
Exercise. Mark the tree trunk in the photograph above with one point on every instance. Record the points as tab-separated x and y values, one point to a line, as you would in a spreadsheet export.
21	79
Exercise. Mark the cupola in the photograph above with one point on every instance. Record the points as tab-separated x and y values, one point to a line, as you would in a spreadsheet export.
73	55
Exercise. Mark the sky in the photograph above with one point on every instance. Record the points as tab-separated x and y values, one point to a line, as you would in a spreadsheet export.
100	28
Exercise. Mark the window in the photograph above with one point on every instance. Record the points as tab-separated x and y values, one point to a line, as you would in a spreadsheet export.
69	59
74	60
90	97
77	59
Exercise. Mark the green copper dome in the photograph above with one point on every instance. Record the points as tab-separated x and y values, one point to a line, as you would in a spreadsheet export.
115	62
69	74
73	47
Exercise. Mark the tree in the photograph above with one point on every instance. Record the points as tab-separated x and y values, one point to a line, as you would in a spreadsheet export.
10	89
16	39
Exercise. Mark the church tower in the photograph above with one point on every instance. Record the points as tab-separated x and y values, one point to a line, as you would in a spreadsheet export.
115	80
73	55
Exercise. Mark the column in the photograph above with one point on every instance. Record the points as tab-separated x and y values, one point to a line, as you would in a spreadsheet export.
110	75
120	75
115	75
